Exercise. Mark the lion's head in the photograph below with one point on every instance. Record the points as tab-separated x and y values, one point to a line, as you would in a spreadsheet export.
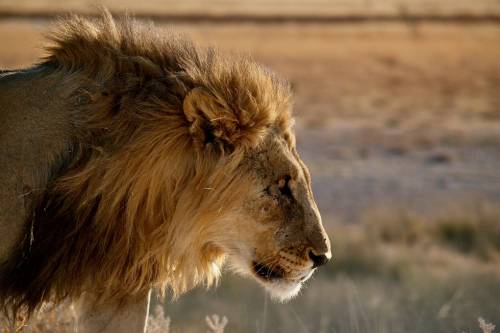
177	160
272	230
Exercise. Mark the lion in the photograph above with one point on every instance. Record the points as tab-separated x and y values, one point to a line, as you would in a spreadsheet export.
131	159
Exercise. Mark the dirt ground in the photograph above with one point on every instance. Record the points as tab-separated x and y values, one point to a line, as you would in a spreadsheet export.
388	114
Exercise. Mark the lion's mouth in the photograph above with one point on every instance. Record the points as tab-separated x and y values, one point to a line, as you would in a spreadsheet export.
268	273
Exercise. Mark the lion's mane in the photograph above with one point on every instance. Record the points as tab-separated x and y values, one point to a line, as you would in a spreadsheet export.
130	202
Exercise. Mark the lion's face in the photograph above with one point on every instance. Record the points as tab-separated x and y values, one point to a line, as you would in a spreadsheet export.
277	236
266	221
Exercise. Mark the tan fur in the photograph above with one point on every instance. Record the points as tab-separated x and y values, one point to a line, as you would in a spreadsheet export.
166	162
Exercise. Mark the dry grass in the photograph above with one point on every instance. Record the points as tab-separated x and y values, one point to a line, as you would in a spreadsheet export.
62	319
392	243
485	326
474	230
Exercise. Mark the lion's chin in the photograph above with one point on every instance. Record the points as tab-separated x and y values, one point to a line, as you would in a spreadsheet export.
280	287
282	290
274	279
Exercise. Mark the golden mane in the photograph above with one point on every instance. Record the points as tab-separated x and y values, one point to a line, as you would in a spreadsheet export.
159	129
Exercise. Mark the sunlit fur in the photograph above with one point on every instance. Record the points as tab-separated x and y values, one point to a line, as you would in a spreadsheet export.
133	205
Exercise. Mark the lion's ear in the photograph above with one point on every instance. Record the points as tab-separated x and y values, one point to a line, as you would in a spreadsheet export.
211	120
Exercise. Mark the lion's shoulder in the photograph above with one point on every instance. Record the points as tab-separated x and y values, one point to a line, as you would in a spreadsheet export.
34	132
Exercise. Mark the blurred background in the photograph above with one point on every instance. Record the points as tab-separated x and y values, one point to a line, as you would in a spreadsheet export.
398	119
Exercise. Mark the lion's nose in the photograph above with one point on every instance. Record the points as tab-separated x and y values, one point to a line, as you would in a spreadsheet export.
318	260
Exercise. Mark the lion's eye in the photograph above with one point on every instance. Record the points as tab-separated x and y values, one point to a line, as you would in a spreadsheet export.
284	186
281	187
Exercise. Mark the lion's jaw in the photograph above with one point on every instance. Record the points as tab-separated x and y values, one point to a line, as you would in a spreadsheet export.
280	288
282	274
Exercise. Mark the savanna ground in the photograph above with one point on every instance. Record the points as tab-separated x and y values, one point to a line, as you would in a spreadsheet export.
400	126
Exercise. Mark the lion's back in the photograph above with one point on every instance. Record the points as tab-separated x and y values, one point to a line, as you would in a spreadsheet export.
33	130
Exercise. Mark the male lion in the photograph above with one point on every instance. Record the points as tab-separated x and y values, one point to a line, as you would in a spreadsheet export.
130	161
